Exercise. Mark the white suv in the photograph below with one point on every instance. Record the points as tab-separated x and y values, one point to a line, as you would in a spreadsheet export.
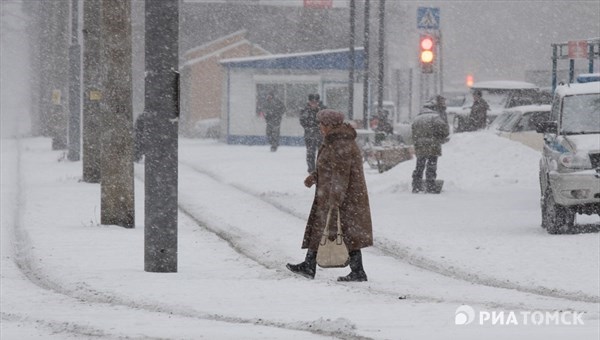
570	164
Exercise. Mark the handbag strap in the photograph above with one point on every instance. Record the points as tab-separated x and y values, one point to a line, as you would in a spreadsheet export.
339	223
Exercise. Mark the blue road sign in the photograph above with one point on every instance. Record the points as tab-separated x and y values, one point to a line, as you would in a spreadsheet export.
428	18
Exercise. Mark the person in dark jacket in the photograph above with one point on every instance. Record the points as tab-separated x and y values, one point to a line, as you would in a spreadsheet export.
312	135
341	185
429	132
478	116
273	110
438	104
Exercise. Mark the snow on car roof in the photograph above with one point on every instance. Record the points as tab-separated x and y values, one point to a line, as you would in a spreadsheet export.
529	108
583	88
503	84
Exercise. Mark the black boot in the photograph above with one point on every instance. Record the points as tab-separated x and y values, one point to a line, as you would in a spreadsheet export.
308	268
417	186
358	273
430	186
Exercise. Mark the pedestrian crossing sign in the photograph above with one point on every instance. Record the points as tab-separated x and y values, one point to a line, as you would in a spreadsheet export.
428	18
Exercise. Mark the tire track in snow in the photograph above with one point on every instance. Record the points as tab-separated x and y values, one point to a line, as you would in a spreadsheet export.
402	253
69	328
35	273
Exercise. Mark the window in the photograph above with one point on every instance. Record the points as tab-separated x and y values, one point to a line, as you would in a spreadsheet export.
293	95
581	114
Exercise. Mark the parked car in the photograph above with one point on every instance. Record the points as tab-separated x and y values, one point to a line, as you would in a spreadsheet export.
570	164
520	124
500	95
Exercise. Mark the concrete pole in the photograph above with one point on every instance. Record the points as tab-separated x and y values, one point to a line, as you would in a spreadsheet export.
59	73
161	139
44	42
92	89
117	188
74	86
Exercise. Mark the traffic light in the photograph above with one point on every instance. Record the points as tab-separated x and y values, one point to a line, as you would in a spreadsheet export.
469	80
426	53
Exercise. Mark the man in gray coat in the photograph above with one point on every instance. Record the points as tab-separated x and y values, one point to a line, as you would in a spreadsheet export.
429	132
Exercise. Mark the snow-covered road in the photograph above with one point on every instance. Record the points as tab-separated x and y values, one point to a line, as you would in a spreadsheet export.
242	218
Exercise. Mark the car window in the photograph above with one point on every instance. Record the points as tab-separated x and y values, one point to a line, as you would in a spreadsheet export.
531	120
511	122
581	114
500	120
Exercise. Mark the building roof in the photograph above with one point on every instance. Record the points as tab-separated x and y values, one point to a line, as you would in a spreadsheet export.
319	60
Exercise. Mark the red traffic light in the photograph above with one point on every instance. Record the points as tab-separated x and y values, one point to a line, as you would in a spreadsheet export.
469	80
426	43
426	52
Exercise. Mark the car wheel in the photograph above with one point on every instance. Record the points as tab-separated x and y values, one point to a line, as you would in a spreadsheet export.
556	218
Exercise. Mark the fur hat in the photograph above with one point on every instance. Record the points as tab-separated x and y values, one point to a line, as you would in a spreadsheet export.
330	117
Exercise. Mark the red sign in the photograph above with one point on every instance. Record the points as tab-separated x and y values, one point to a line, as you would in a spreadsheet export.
318	3
578	49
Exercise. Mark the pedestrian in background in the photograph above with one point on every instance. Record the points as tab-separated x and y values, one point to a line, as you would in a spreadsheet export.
340	185
478	116
438	104
273	110
429	132
312	135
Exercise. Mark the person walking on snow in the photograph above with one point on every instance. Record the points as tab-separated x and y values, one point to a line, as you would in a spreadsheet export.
340	184
273	110
478	116
312	135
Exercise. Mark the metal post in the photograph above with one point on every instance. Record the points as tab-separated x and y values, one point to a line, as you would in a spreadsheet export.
74	86
398	93
117	188
366	66
571	71
92	93
410	93
162	108
381	61
591	58
441	62
554	66
352	60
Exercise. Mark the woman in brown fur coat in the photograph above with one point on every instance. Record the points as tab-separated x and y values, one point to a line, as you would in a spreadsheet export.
340	184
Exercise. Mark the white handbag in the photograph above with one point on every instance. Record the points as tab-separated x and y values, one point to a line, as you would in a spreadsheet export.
332	254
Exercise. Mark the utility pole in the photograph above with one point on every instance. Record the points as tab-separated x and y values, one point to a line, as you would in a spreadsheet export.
352	59
74	86
162	110
34	32
381	62
366	66
92	94
117	187
59	73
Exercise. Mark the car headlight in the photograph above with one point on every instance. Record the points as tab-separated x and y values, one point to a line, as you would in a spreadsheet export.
575	161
